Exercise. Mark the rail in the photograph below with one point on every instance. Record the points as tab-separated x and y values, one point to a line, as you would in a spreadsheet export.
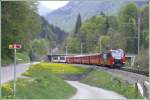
143	89
135	71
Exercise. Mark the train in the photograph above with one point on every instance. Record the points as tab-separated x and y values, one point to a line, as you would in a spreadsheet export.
110	58
57	59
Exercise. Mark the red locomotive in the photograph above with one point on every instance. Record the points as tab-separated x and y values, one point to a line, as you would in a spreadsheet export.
112	58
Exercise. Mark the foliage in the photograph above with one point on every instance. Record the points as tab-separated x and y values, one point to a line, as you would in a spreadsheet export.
105	80
145	27
52	33
73	45
7	90
53	68
22	57
117	31
118	41
42	82
78	24
19	24
44	87
40	46
142	60
105	42
128	26
65	18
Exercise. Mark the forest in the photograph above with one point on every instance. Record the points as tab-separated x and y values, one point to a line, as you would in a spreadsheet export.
104	32
21	24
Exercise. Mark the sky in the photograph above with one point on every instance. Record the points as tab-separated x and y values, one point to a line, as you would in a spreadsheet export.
46	7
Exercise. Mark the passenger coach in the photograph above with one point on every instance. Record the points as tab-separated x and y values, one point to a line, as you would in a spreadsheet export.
111	58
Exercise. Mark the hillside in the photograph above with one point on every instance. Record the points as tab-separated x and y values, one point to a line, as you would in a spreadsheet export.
52	33
65	17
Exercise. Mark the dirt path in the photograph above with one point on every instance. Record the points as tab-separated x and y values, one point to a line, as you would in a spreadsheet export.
7	71
89	92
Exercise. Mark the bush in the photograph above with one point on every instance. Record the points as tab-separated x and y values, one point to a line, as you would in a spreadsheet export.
22	57
142	60
7	91
6	61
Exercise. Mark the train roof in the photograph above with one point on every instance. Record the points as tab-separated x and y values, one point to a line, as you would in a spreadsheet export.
87	55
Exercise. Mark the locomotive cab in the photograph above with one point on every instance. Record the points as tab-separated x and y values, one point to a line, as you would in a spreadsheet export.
118	57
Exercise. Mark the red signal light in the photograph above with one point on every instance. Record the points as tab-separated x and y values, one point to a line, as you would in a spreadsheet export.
17	46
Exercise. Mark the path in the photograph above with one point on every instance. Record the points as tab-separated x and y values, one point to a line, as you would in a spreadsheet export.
89	92
7	71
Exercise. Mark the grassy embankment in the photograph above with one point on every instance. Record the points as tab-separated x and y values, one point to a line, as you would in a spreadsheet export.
43	83
105	80
54	68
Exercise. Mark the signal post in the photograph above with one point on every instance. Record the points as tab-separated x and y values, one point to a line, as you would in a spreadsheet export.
14	46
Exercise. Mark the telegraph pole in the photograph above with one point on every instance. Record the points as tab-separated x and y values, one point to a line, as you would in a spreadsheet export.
14	72
111	40
111	30
139	23
81	48
100	44
66	50
51	54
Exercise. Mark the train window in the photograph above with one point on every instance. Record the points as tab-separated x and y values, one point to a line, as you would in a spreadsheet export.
62	58
117	53
55	58
108	55
104	56
101	56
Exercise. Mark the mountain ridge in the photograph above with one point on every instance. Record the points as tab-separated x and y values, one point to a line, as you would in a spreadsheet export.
65	17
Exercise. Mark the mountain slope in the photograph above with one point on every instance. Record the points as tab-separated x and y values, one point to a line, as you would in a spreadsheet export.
65	17
52	33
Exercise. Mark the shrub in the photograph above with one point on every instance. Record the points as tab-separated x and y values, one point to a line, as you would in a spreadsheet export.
142	60
7	91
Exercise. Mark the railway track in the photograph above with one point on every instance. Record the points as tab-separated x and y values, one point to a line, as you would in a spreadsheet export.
127	75
135	71
124	69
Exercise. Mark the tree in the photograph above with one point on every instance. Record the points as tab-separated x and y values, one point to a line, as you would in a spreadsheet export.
90	32
73	45
40	47
142	60
78	24
118	41
20	23
105	43
102	13
128	26
145	27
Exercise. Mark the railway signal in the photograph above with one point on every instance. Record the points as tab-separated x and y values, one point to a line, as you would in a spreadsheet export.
14	46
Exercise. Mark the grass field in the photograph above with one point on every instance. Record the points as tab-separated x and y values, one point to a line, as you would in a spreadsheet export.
47	87
42	83
54	68
105	80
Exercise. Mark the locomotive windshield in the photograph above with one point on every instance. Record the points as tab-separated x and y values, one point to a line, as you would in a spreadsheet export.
117	54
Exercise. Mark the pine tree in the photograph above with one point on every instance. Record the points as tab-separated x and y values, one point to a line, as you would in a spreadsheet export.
78	24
